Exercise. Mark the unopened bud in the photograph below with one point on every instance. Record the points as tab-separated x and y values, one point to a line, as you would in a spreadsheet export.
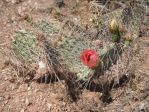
114	26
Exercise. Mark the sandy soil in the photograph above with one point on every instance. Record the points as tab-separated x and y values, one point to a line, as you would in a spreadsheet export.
18	96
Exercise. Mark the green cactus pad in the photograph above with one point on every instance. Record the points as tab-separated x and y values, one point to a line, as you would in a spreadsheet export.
70	50
24	45
46	27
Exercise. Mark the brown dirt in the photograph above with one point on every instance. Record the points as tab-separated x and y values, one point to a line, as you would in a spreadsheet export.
18	96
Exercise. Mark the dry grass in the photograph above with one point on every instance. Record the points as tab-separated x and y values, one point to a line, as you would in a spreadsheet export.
60	48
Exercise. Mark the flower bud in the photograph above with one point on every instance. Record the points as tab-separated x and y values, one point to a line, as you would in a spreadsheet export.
114	26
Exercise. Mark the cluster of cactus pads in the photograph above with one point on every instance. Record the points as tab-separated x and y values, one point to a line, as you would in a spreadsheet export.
74	39
63	45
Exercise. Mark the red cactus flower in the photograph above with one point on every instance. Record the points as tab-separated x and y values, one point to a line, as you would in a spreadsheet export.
90	58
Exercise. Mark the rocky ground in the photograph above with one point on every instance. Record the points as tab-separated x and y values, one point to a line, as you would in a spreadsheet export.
19	96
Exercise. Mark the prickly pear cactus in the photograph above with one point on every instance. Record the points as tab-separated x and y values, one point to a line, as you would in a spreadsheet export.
76	39
71	47
70	50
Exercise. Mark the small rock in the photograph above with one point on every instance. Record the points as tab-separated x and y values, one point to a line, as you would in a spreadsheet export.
36	90
7	97
27	102
15	1
64	103
22	12
22	100
6	102
6	78
42	69
29	88
1	98
22	110
12	86
49	105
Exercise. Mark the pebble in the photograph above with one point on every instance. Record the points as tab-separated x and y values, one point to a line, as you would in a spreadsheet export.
27	102
6	102
15	1
22	110
29	88
7	97
49	105
22	12
1	98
